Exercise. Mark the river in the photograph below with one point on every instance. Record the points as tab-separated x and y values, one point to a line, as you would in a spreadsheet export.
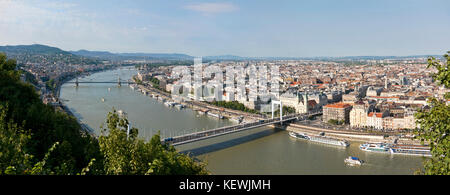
257	151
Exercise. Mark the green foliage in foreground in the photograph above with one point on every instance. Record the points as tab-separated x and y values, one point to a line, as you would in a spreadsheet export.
128	155
37	140
38	127
434	124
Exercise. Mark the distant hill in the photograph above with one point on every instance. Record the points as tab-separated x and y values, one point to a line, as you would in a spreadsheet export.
132	56
32	50
97	54
43	54
35	53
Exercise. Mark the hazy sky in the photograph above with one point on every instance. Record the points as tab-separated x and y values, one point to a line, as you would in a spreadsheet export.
241	27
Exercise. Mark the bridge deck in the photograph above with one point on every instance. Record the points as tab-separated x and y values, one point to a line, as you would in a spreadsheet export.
197	136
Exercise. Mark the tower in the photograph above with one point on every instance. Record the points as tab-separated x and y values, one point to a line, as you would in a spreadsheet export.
306	102
281	109
386	83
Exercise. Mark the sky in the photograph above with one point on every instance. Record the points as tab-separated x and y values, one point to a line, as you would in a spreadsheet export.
253	28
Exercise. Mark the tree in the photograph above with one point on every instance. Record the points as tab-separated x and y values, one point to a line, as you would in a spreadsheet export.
36	139
15	159
30	130
126	154
336	122
434	124
234	105
13	156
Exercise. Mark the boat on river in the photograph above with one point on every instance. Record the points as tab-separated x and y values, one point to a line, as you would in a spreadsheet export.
179	106
219	116
415	150
375	147
353	161
320	139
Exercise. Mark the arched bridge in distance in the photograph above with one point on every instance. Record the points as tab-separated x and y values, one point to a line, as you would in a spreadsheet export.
118	81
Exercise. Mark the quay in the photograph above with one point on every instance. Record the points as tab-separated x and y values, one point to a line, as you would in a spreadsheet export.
351	135
196	105
84	127
345	135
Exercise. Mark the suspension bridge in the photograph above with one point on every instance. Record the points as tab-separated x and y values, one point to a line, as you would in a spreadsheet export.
202	135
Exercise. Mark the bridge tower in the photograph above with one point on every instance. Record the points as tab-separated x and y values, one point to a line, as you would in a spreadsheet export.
281	109
128	131
118	82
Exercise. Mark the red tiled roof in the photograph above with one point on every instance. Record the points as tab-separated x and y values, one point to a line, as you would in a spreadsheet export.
295	83
338	105
384	97
378	115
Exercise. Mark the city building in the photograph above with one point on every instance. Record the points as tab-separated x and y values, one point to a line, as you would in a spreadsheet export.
375	120
338	111
295	100
358	114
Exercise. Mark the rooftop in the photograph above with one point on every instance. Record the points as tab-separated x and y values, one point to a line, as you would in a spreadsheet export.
379	115
338	105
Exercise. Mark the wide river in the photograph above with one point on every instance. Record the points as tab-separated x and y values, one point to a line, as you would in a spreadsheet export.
257	151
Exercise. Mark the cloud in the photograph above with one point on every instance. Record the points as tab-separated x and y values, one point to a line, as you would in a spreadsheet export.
212	8
22	22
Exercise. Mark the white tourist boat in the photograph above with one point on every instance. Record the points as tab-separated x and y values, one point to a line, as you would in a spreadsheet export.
375	147
353	161
170	104
298	135
320	139
415	150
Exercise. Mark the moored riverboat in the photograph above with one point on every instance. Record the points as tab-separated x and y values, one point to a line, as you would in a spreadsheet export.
320	139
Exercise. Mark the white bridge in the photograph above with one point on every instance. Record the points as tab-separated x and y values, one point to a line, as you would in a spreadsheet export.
202	135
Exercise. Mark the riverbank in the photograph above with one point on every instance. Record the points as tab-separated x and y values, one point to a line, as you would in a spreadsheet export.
61	106
351	135
196	105
358	137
